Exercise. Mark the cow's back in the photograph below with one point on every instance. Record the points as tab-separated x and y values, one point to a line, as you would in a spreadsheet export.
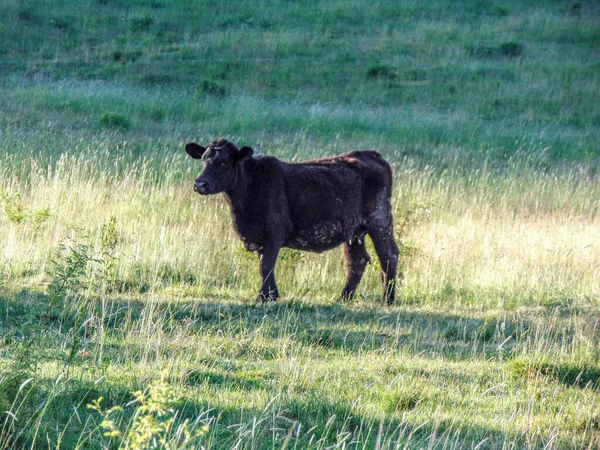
328	200
358	178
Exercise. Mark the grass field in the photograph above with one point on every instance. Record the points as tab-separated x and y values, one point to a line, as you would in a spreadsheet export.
118	282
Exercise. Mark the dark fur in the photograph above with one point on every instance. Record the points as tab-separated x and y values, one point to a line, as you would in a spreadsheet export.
314	205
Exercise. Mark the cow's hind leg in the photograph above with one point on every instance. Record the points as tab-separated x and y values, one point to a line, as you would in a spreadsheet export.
357	258
381	230
388	253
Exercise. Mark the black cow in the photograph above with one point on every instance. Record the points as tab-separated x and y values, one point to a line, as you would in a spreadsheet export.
314	205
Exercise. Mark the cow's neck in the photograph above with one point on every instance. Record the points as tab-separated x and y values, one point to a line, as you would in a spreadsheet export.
240	202
236	200
238	197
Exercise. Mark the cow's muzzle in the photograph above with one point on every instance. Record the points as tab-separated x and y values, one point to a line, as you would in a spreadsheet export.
201	187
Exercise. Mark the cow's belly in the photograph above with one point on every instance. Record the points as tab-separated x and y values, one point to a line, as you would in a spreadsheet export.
325	235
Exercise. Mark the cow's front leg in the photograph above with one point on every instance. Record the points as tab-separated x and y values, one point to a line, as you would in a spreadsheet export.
268	288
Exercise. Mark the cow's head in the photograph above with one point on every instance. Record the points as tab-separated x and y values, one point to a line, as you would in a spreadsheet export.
221	161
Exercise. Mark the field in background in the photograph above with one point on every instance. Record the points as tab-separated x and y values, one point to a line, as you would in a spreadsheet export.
115	277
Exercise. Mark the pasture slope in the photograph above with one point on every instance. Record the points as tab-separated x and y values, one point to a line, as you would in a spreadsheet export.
118	283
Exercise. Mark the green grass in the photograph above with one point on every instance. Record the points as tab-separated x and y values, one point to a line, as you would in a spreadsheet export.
248	69
308	364
115	277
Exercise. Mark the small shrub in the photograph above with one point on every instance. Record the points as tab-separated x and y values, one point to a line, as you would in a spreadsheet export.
126	57
62	23
114	120
500	11
382	71
406	220
155	421
106	276
69	273
12	206
108	236
511	49
213	88
16	212
39	216
142	23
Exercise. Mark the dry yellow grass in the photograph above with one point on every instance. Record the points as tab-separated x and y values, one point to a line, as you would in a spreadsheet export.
516	238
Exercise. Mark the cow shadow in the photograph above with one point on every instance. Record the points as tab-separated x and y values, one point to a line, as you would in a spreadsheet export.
355	328
351	328
347	328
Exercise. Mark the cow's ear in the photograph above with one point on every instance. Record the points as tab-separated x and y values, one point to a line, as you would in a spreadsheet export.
194	150
245	153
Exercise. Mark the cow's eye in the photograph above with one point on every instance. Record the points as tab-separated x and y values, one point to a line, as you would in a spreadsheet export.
223	164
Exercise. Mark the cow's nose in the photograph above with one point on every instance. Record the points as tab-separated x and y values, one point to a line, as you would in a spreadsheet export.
200	186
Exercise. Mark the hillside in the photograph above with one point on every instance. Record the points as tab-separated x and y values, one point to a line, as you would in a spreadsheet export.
421	79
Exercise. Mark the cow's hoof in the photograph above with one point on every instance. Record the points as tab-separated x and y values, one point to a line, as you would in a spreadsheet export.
346	297
262	298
